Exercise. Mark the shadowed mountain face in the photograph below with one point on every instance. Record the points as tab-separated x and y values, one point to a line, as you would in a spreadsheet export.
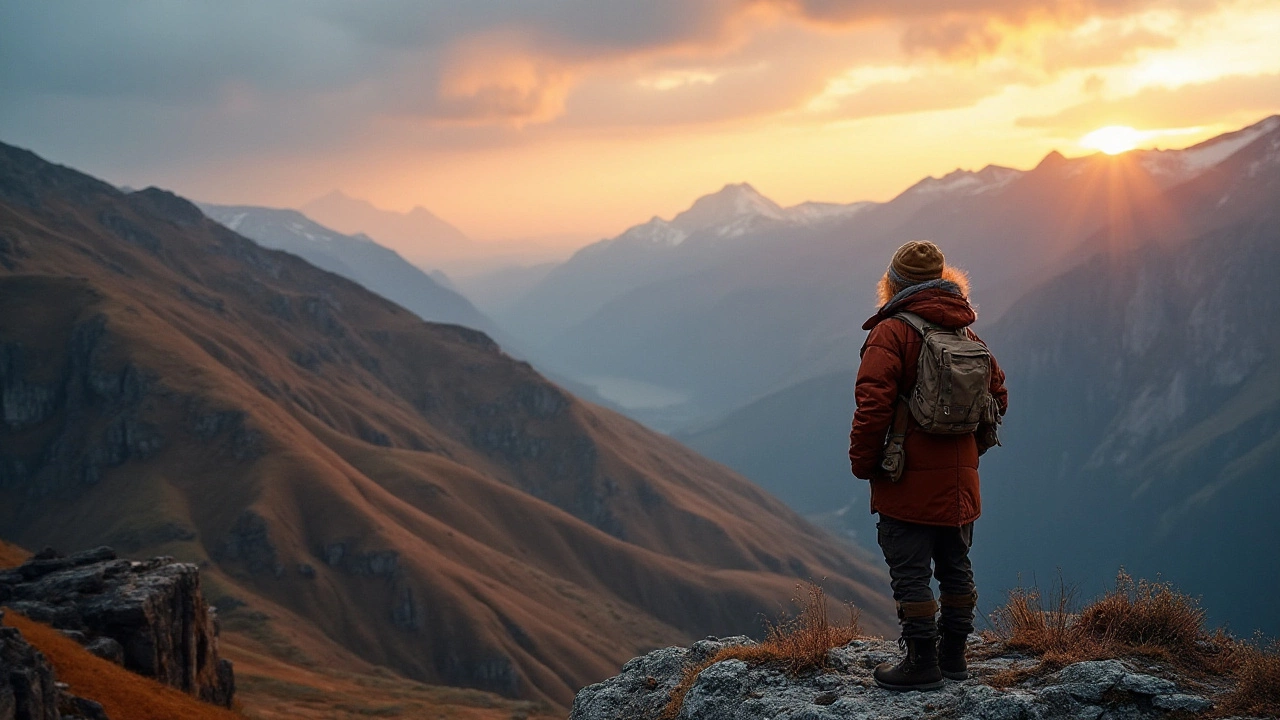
355	478
1148	415
1143	394
355	257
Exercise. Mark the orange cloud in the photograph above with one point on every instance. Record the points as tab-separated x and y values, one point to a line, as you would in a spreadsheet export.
494	79
527	72
901	90
1227	99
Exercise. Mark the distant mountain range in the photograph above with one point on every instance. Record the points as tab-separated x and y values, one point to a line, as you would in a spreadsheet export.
428	241
355	257
362	488
1144	406
737	298
418	234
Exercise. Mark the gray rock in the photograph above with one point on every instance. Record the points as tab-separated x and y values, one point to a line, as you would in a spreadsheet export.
1105	673
28	686
724	684
75	635
107	649
1005	707
1146	685
149	616
732	690
1182	703
83	708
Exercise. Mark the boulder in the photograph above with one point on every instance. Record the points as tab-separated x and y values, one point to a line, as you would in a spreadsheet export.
28	687
149	616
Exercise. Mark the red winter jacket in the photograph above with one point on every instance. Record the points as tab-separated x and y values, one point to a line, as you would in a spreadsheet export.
939	484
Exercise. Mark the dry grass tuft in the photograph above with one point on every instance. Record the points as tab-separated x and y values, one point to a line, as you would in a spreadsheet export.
1257	689
794	645
1050	634
1148	618
1138	618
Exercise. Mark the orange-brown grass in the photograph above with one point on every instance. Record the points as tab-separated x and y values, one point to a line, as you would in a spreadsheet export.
794	645
269	688
1149	618
12	555
121	693
1135	618
1257	683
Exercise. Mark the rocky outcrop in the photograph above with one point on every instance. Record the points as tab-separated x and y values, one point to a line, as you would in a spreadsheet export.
731	690
28	687
150	615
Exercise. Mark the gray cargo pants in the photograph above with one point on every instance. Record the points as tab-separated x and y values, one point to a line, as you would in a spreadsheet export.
916	553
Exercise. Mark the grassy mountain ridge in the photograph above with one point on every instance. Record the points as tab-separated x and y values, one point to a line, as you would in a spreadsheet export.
354	257
401	490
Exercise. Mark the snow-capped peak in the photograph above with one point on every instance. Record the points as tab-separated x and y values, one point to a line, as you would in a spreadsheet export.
1178	165
967	182
731	204
808	213
655	232
733	211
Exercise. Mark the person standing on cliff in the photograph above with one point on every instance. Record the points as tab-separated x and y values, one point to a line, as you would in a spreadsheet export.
924	481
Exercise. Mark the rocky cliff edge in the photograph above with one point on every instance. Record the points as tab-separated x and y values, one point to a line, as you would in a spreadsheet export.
148	616
1128	689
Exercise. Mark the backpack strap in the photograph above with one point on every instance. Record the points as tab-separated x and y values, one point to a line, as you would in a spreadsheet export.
921	325
924	327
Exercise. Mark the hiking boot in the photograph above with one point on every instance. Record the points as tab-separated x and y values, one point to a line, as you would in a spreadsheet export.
951	656
917	671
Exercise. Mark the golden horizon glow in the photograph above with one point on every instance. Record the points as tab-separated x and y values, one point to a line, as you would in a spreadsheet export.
1113	139
513	141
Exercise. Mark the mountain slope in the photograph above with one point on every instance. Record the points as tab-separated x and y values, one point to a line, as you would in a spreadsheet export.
792	443
1162	448
354	257
351	474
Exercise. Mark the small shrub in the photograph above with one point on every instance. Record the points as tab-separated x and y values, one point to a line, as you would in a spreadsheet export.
1257	688
1148	616
1135	618
794	645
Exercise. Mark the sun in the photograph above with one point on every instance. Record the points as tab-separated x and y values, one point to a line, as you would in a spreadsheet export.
1113	139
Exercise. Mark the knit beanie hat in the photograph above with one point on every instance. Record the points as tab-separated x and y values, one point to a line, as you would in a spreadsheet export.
916	262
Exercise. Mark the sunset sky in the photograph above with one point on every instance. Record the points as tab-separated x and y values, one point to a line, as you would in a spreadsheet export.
574	119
